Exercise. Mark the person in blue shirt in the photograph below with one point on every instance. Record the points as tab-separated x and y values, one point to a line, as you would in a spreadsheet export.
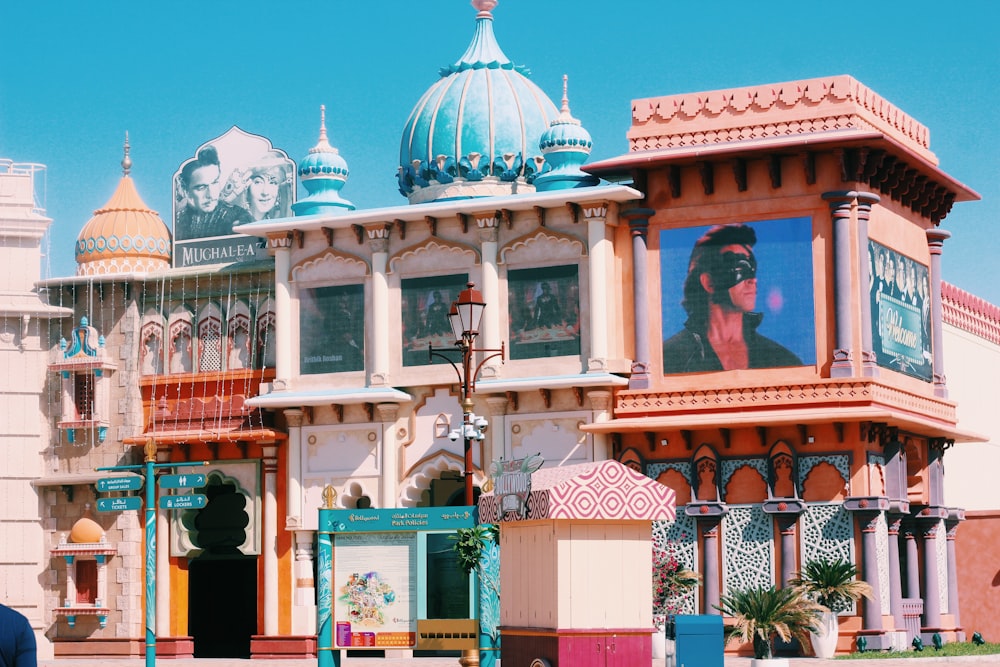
17	640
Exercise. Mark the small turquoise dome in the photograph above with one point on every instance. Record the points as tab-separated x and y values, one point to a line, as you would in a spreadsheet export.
323	172
566	146
475	132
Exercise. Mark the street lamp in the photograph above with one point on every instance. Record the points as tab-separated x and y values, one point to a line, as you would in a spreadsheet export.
465	316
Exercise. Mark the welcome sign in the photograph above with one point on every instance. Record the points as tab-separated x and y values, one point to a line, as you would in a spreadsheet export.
900	301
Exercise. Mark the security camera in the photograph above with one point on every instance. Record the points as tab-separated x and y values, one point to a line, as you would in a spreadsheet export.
454	435
481	424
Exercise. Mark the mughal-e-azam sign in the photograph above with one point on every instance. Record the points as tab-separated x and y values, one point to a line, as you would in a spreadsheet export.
231	180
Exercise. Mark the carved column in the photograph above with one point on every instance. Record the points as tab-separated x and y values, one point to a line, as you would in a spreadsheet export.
935	241
498	429
270	542
786	511
293	483
600	405
638	223
894	519
282	246
709	517
304	607
378	242
841	205
600	251
867	510
912	562
929	523
869	365
955	516
388	413
489	234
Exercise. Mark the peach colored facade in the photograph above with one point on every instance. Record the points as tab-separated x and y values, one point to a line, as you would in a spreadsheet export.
972	343
865	439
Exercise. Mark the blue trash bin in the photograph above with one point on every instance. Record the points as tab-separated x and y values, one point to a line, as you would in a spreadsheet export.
700	641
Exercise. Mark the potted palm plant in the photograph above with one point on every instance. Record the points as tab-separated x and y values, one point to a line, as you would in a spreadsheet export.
761	613
832	583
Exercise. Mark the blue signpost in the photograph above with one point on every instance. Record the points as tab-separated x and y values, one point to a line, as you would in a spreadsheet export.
133	483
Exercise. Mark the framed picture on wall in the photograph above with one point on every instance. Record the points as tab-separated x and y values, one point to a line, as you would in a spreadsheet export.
544	312
425	303
737	296
331	329
899	290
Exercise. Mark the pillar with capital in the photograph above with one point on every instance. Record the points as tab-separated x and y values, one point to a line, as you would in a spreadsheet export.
867	510
709	517
638	224
841	209
935	242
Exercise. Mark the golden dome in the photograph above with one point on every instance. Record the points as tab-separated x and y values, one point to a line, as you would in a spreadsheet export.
86	531
124	236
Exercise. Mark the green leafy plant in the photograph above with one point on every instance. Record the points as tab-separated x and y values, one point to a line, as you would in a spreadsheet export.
762	613
470	543
832	583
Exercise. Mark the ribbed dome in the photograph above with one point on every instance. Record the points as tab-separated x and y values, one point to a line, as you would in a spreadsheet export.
475	132
323	172
86	531
566	146
124	236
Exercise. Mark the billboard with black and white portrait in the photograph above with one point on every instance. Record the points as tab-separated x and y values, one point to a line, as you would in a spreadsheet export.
234	179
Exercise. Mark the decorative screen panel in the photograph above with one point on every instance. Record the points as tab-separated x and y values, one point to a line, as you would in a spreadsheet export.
827	533
747	549
680	538
941	547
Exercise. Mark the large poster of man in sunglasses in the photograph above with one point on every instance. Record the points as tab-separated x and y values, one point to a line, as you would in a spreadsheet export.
737	296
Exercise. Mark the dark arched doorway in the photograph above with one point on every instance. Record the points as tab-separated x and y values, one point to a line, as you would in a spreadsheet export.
222	581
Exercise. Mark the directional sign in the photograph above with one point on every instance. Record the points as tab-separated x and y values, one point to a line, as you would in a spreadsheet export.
182	481
133	483
195	501
119	504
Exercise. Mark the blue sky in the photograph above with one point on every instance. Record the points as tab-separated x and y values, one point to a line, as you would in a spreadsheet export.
76	76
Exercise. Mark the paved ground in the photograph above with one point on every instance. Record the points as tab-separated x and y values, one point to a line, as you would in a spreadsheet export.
978	661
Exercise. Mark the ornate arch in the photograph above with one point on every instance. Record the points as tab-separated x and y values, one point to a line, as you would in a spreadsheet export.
432	254
330	264
420	476
543	246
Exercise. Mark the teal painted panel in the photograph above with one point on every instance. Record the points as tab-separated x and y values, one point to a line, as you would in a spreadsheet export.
412	519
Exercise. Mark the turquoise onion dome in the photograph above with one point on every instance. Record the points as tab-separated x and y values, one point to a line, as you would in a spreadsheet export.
322	173
566	146
475	132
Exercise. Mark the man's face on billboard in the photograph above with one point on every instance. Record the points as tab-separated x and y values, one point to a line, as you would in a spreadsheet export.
203	188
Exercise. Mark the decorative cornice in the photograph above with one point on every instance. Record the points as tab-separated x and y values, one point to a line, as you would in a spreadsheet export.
970	313
825	394
772	110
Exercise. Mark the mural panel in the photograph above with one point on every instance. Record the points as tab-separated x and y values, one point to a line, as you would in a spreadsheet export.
711	278
331	329
900	300
544	312
425	303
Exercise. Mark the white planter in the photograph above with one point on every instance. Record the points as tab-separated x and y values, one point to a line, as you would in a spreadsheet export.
770	662
824	642
659	643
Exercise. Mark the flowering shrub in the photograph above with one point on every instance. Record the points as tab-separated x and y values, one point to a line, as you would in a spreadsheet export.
671	582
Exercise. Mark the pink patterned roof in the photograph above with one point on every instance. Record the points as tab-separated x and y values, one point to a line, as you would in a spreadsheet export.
601	490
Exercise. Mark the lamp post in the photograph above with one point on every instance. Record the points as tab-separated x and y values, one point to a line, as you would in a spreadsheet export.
465	316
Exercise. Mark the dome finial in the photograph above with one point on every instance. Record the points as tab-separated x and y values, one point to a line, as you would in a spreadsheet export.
322	123
126	161
565	99
484	7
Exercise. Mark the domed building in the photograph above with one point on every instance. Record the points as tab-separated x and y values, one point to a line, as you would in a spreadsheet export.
475	132
125	235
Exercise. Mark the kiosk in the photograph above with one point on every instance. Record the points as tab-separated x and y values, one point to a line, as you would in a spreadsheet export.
575	575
